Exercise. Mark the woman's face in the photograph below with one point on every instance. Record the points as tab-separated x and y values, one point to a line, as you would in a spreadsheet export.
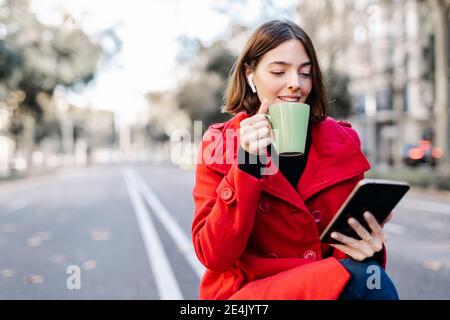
284	74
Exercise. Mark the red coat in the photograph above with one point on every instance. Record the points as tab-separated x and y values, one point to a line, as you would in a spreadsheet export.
259	238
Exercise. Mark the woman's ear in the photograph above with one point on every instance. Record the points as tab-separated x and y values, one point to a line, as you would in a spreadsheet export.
250	82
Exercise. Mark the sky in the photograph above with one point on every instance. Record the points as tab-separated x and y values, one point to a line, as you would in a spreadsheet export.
149	30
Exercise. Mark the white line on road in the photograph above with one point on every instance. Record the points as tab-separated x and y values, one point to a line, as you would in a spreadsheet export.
426	206
170	224
163	274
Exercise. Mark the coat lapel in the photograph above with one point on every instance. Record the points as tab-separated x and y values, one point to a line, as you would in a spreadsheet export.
278	186
334	157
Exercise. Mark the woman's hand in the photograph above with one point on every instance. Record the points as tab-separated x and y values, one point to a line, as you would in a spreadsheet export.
371	242
255	132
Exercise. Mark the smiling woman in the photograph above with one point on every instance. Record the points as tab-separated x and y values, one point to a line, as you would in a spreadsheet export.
287	80
258	231
283	65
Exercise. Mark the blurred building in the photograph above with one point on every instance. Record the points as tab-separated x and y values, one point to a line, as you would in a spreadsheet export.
160	122
94	135
387	50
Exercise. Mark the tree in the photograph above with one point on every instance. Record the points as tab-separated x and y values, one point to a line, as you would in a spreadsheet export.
200	99
9	61
201	95
441	11
337	85
338	14
36	59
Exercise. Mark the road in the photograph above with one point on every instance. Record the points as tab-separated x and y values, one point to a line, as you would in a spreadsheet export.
123	232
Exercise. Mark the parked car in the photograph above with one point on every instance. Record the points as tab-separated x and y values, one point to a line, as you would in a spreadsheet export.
422	153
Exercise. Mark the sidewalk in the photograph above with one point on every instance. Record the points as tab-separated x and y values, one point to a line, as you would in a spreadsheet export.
32	180
432	194
35	179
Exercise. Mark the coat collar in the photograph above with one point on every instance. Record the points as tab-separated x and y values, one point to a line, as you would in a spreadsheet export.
335	155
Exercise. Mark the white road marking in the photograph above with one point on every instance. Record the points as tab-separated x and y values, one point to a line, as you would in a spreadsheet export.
426	206
166	282
394	228
170	224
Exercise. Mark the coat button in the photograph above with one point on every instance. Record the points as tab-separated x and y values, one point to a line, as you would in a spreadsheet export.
309	254
264	206
226	193
272	255
317	215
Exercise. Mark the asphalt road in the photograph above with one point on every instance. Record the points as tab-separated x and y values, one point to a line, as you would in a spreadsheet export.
123	232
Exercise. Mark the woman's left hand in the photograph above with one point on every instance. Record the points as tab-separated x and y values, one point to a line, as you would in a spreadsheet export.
370	243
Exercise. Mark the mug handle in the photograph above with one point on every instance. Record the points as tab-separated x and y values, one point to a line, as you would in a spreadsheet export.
268	118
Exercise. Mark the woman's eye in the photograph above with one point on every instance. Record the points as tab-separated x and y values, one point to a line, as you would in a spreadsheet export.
305	75
277	73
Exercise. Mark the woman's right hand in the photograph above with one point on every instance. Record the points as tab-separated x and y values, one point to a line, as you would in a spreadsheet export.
255	132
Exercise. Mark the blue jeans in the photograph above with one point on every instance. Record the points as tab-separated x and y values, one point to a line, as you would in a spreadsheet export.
368	282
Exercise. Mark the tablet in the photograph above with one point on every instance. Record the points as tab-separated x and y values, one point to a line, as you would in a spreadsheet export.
374	195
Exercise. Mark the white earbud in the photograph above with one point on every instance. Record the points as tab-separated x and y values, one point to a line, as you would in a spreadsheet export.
250	83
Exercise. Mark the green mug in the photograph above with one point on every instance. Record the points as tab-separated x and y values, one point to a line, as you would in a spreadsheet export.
289	122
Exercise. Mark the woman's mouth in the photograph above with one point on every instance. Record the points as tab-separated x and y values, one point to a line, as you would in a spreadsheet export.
290	98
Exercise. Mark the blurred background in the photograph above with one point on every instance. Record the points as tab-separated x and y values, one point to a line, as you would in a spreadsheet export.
103	103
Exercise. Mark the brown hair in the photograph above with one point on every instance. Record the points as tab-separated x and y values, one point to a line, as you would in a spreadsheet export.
238	96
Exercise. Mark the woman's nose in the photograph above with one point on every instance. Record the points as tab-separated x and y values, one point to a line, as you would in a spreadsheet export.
294	82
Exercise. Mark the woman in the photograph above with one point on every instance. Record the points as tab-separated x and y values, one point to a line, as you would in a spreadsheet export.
258	234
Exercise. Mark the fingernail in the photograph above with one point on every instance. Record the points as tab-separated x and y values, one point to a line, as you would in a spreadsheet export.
333	235
367	214
351	221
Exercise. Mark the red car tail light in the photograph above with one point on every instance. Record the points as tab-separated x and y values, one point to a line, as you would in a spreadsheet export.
415	153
